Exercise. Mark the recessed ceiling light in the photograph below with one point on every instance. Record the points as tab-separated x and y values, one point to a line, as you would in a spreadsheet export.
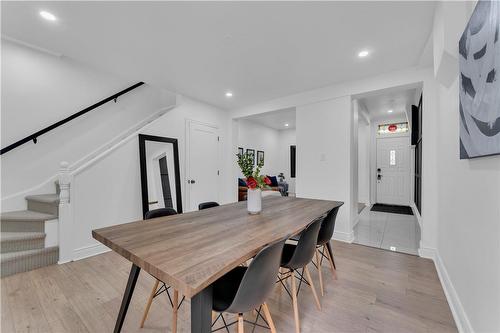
48	16
389	111
286	125
363	54
229	94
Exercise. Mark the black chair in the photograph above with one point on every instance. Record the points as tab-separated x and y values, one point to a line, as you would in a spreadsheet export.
160	212
295	257
246	288
206	205
323	246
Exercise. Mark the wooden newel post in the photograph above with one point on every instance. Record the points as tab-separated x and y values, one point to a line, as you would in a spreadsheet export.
65	216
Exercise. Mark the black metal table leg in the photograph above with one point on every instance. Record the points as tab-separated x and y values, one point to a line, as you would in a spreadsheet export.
201	311
127	296
329	248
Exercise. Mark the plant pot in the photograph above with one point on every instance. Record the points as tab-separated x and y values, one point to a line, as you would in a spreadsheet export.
254	201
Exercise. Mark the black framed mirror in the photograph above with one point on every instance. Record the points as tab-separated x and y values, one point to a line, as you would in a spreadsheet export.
160	173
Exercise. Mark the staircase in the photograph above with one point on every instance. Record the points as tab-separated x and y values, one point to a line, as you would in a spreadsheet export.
23	235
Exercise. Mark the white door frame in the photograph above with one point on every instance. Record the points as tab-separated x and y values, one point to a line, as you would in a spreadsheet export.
187	170
389	136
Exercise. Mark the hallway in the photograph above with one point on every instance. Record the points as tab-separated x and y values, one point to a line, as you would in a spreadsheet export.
396	232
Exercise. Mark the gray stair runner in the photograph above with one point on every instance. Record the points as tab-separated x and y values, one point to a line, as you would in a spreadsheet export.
23	261
23	238
44	203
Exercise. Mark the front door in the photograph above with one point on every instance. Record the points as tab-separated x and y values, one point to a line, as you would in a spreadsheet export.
393	170
203	164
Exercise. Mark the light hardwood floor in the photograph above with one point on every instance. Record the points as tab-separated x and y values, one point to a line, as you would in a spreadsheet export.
376	291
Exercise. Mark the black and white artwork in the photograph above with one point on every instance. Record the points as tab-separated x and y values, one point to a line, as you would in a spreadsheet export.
251	152
260	157
479	53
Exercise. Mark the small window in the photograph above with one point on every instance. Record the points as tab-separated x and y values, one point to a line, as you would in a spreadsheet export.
392	157
392	128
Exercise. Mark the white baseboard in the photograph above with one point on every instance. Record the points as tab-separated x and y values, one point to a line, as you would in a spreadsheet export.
89	251
347	237
426	252
461	319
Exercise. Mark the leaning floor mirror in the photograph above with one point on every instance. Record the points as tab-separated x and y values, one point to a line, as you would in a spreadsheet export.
160	176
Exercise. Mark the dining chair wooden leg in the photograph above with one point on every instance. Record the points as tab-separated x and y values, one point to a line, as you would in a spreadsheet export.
148	304
240	323
318	264
295	305
269	319
330	260
214	315
175	308
316	298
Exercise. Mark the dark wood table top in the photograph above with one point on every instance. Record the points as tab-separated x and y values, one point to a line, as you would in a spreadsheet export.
190	251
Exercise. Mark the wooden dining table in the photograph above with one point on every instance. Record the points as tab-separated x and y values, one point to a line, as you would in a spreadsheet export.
192	250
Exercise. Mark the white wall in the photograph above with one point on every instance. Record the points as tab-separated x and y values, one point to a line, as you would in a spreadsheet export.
364	136
323	156
252	135
468	247
39	89
108	192
286	139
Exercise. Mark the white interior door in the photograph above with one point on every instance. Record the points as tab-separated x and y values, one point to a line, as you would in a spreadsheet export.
393	170
203	164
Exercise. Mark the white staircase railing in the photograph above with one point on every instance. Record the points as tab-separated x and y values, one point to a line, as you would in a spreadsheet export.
65	214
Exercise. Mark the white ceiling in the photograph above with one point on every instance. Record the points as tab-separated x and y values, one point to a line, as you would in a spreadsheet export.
396	100
258	50
276	119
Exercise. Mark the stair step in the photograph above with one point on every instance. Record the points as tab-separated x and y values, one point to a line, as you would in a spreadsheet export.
46	198
44	203
23	261
24	221
21	241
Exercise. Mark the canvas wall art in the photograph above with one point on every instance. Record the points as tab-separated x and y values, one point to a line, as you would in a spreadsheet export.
479	61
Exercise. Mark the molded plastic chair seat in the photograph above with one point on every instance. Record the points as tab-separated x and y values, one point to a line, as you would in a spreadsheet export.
226	288
288	251
160	212
297	256
206	205
246	288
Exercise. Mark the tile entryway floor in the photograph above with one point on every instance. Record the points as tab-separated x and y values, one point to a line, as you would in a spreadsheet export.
396	232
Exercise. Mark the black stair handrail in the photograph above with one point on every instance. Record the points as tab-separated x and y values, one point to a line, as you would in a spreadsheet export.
33	137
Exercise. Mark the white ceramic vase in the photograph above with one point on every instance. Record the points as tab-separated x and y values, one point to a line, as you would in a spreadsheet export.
254	201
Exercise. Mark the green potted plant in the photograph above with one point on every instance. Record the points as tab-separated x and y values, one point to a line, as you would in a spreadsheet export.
254	180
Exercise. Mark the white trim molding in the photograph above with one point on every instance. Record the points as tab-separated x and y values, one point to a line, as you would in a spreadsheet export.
426	252
346	237
457	309
89	251
416	213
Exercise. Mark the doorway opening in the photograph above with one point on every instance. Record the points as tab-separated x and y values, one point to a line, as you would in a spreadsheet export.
271	138
386	169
